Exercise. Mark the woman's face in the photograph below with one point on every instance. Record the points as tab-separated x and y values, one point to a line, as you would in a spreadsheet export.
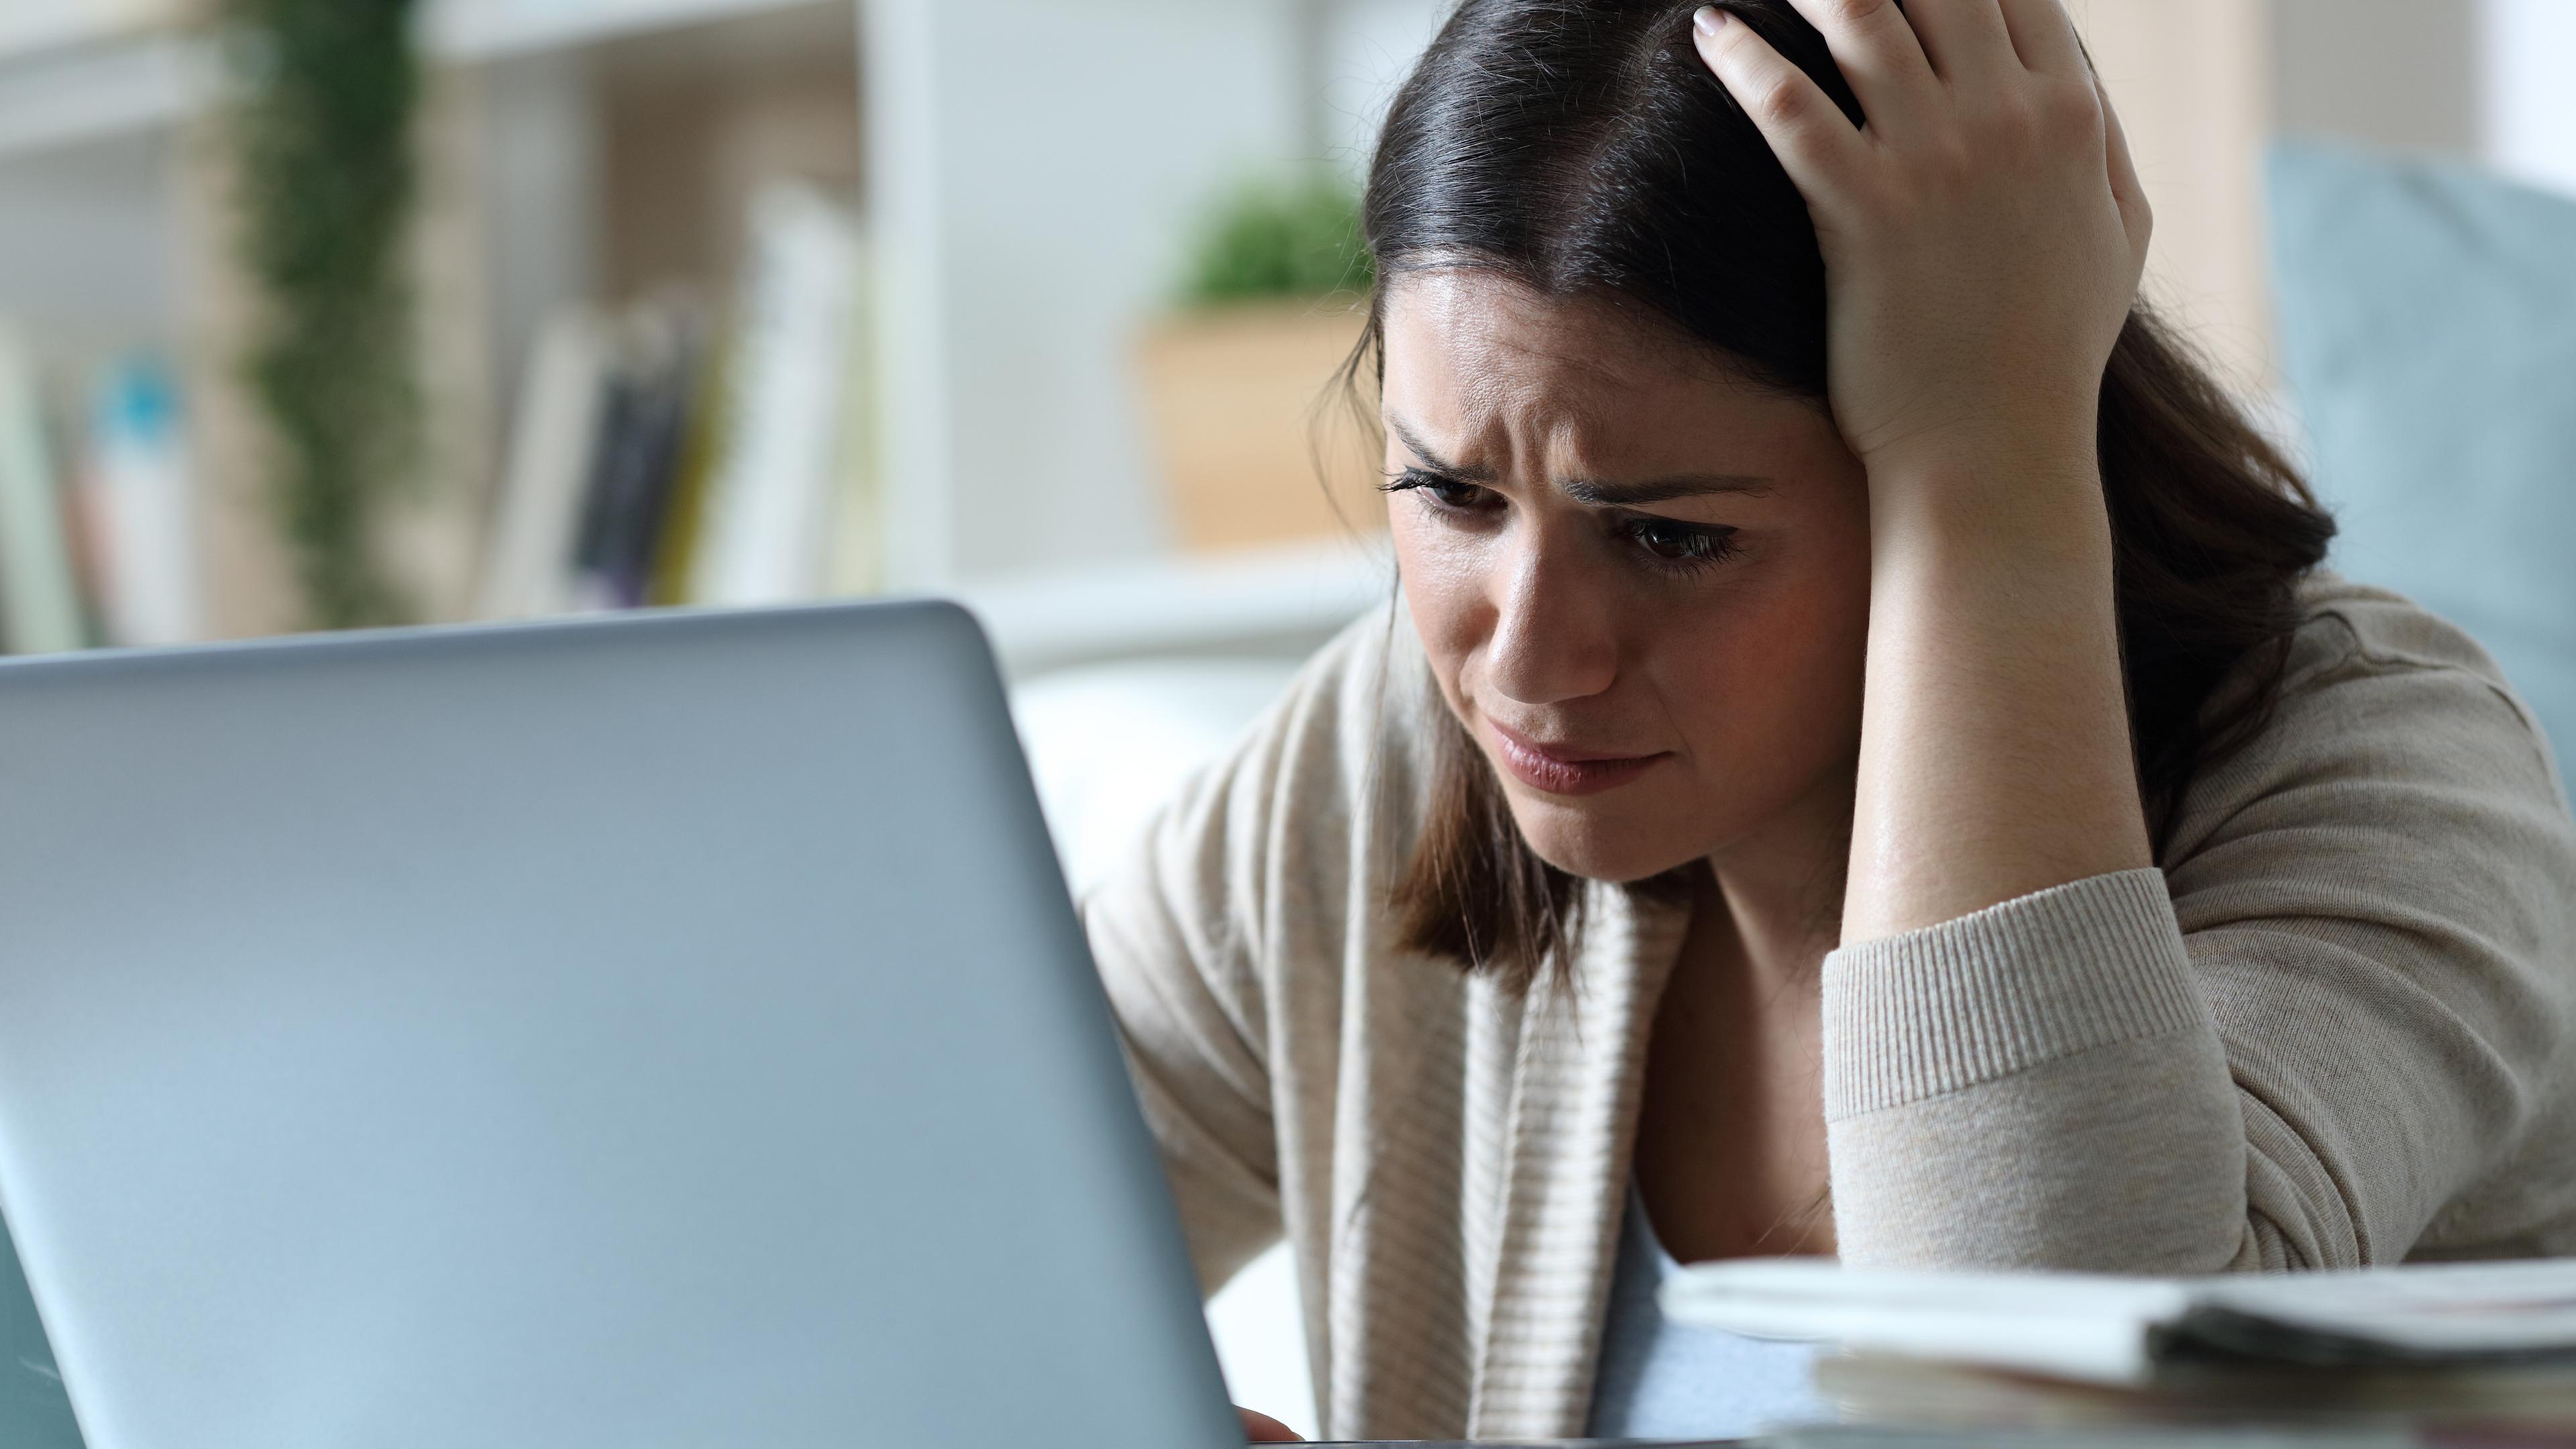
1643	585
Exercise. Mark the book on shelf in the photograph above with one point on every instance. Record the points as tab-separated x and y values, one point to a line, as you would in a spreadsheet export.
135	502
553	449
683	522
663	457
652	402
2463	1343
40	603
98	525
765	534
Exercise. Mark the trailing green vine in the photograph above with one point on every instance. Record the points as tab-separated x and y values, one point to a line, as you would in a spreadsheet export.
325	178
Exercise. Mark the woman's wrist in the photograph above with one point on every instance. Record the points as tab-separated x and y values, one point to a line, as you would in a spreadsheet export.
1994	720
2040	503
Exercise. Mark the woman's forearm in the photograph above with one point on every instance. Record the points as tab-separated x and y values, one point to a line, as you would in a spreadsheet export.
1983	232
1995	757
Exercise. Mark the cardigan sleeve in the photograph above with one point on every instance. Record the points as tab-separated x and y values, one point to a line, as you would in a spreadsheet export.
2342	1005
1219	941
1175	934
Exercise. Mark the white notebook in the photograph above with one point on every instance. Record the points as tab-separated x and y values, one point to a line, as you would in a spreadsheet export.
2118	1330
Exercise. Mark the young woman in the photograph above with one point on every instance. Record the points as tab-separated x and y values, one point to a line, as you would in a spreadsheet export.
1864	762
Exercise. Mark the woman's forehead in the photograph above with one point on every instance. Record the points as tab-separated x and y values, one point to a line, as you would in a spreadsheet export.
1476	360
1502	325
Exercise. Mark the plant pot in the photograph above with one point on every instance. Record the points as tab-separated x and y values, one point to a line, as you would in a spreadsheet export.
1255	442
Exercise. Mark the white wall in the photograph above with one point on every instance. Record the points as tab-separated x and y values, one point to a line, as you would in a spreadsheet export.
88	245
1037	170
2189	80
2528	116
2400	74
539	163
1368	47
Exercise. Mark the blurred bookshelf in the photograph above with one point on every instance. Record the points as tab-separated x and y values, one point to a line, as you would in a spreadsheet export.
996	402
72	70
717	301
649	186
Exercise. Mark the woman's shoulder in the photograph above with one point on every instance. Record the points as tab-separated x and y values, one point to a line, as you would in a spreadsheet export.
2356	629
2385	873
2388	721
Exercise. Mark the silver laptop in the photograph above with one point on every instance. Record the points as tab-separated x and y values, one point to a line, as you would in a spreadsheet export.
667	1030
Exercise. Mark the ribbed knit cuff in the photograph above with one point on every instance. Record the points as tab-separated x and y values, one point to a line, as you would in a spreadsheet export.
2078	966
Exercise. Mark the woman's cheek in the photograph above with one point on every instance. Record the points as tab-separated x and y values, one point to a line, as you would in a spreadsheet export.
1762	659
1443	573
1796	670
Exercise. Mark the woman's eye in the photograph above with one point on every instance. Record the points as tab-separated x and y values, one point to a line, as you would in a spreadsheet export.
1444	492
1686	543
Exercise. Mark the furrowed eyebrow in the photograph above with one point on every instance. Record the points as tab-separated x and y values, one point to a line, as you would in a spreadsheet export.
1591	491
1661	490
1432	460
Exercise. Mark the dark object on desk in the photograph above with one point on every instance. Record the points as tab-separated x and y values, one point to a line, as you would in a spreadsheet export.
34	1414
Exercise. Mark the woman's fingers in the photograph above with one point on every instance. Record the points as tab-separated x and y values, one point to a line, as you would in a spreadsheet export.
1966	40
1876	51
1263	1429
2136	217
2044	38
1817	145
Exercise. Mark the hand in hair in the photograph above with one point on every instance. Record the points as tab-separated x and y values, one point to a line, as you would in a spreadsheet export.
1983	233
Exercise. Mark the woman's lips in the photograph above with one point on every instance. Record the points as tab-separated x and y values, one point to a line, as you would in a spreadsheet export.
1563	769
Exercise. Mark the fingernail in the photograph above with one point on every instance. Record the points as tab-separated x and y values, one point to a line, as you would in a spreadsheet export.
1708	20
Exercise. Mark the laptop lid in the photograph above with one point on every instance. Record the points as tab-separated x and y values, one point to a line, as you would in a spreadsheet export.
663	1030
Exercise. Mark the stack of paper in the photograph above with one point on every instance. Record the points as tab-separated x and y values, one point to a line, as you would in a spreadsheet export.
2472	1344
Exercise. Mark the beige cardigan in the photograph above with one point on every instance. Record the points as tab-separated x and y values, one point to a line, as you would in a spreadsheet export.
2335	1029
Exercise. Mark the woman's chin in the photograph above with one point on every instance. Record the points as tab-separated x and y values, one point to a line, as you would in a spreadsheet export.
1594	845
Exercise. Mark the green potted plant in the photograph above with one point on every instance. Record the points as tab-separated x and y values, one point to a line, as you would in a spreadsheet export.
1235	376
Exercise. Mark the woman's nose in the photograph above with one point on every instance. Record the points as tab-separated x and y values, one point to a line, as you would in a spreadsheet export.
1552	639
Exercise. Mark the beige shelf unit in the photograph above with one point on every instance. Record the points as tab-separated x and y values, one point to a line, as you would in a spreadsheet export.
570	150
1028	175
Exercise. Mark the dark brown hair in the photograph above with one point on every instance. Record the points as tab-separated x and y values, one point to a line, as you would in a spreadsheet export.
1581	148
